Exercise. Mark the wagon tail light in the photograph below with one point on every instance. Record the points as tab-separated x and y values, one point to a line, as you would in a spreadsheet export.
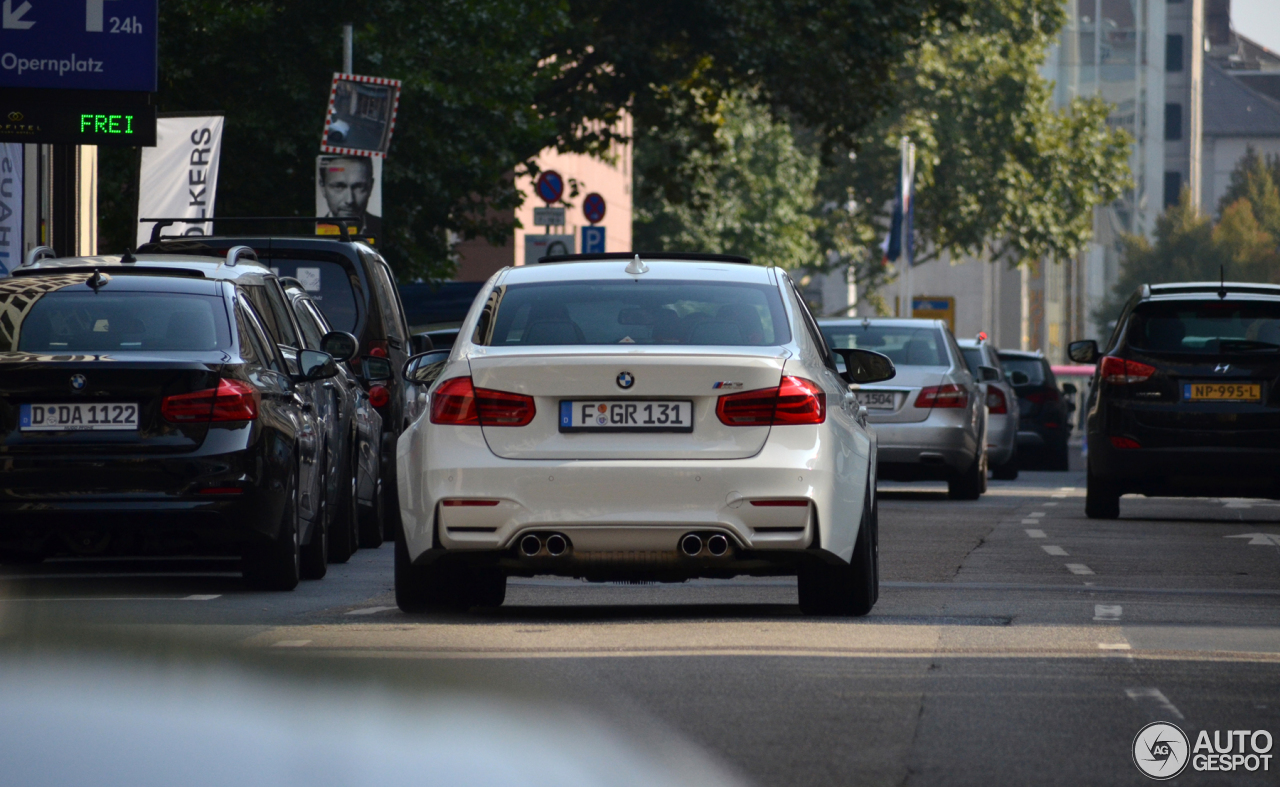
458	403
949	395
1118	371
996	403
232	400
795	401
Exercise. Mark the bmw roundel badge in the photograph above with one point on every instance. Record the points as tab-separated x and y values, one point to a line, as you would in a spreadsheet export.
626	380
78	382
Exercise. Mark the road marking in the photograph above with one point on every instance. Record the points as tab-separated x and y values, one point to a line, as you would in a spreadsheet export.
1031	521
1259	539
1079	568
291	643
1154	697
1107	611
1036	514
120	598
369	610
1114	646
1067	488
1057	497
1058	551
1031	531
203	598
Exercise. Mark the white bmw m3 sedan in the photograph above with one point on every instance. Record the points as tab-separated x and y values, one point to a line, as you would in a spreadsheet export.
610	417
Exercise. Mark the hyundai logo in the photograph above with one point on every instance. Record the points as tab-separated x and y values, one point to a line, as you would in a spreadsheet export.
626	380
1222	368
78	382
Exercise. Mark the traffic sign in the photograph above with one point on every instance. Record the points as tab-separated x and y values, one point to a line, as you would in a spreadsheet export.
550	186
548	217
593	208
79	44
593	240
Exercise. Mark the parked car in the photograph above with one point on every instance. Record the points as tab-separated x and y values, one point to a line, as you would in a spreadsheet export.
1044	414
931	419
1185	400
608	417
353	432
355	289
1002	410
145	408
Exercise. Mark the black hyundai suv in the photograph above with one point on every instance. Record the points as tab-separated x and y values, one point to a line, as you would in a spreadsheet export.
1186	401
354	287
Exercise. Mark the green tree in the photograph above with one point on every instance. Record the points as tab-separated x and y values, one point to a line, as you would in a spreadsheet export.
1255	179
752	194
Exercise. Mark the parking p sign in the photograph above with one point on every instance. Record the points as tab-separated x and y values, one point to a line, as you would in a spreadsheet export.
593	240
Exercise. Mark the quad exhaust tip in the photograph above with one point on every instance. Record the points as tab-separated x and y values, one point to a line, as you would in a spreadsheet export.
556	544
691	545
717	545
530	545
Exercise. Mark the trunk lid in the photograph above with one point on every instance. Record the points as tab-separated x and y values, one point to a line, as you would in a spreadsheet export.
906	387
133	378
1165	404
554	374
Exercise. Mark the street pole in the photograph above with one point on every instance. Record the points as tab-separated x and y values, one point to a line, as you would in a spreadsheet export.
908	172
348	48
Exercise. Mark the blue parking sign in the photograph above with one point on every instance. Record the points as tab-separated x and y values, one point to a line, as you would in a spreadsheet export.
593	240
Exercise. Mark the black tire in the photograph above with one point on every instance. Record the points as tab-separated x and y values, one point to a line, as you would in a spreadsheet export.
1007	471
445	584
277	565
1061	458
969	484
371	521
315	553
1102	498
390	510
344	527
846	590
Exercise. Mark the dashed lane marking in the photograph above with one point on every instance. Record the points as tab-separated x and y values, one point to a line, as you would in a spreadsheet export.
1260	539
1079	568
369	610
1114	646
1036	514
1034	533
1057	551
1107	612
1031	521
1156	698
291	643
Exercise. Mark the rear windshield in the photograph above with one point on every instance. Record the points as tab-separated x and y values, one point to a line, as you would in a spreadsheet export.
645	312
329	285
905	345
87	322
1034	368
973	359
1206	327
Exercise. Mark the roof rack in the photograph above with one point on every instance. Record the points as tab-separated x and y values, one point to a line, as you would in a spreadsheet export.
113	270
160	224
678	256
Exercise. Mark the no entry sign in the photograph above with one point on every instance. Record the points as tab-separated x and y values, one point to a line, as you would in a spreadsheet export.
593	207
550	186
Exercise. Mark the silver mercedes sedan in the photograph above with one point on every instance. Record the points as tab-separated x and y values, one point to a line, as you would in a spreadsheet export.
931	419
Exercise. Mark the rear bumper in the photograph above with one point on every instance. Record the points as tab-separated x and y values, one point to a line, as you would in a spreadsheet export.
1002	438
620	511
1187	472
939	447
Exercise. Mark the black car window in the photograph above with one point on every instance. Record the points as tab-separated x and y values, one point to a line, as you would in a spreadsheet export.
643	313
82	321
263	348
906	345
311	331
973	359
388	302
1208	327
1036	369
330	284
269	305
811	325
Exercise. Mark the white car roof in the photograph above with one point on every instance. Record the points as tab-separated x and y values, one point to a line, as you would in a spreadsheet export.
897	322
597	270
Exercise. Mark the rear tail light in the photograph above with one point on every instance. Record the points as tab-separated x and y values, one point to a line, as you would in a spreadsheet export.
795	401
1125	442
377	350
1119	371
949	395
459	403
379	396
996	403
232	400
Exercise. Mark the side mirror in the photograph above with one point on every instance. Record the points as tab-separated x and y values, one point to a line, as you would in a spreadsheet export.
864	366
1019	378
315	365
1083	352
377	369
988	374
421	343
342	346
423	369
1070	388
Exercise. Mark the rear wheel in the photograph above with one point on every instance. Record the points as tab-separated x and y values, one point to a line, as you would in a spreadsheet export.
344	526
846	590
445	584
277	565
1102	498
1007	471
371	521
1060	459
969	484
315	554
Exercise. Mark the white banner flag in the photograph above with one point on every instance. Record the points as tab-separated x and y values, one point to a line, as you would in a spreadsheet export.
10	207
180	174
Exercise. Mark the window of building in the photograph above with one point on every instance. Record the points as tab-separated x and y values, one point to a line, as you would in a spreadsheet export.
1172	122
1173	53
1172	188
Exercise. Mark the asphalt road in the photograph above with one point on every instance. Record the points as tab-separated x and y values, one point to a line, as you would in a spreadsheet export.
1015	641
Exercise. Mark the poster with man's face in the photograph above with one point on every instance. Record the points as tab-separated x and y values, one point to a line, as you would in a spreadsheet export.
350	187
